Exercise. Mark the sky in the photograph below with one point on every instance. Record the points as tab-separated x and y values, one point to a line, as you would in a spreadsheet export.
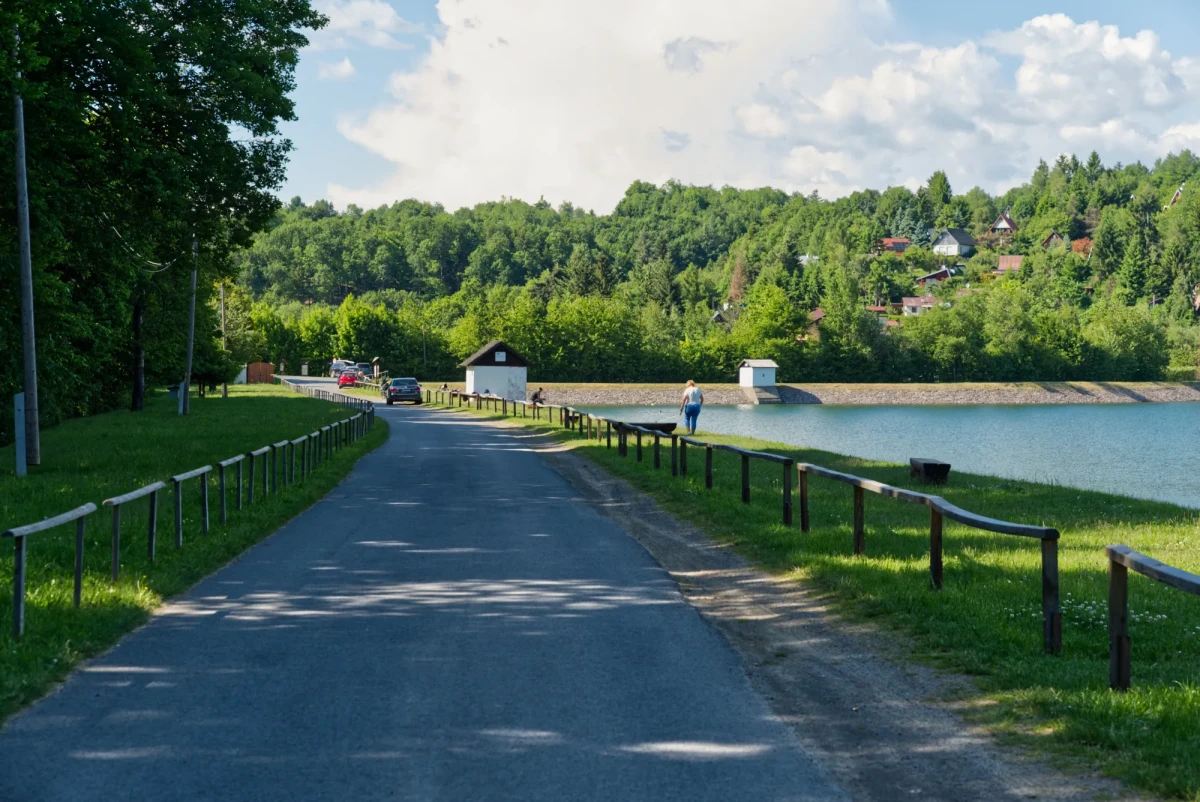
465	101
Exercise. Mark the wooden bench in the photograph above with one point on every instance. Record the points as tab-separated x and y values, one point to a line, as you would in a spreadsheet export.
930	471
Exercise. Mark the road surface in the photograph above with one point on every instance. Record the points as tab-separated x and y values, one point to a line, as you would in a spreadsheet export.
450	623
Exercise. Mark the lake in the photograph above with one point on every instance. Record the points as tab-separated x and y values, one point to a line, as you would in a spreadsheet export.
1148	451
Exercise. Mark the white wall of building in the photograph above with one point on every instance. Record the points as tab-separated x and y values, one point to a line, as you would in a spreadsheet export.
502	381
756	377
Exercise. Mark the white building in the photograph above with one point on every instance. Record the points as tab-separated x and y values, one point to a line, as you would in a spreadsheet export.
954	242
757	373
497	370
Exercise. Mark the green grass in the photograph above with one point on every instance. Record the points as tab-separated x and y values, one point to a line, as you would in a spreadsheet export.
90	459
986	622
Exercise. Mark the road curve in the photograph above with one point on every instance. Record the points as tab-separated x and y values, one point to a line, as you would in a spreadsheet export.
450	623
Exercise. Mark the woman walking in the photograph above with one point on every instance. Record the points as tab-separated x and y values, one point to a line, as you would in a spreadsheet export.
689	405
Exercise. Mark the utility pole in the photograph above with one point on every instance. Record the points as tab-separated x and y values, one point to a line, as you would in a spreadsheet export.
33	443
187	379
224	385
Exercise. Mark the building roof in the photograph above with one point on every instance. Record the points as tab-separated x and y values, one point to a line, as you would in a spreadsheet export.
924	300
487	356
1009	263
815	315
1053	236
949	271
959	236
896	244
1004	218
757	363
877	308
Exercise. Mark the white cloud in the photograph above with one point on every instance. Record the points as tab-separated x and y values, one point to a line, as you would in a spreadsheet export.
761	120
574	101
374	23
336	70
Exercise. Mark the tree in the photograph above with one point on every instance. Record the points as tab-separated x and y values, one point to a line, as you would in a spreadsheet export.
1135	265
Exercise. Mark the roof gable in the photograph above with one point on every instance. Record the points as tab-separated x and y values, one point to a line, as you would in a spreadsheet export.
1003	223
958	235
757	363
489	355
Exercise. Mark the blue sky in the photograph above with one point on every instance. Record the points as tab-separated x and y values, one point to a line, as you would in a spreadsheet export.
574	100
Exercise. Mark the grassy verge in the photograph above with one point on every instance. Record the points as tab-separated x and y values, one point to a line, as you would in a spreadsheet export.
986	622
91	459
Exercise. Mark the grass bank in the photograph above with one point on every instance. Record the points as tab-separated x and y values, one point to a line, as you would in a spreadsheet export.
90	459
986	622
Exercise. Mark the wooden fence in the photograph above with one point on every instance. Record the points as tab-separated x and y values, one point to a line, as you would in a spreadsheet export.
345	432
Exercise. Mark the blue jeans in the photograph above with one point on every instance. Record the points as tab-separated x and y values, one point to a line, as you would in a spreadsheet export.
691	413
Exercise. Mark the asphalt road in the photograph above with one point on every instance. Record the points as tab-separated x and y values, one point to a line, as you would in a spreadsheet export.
451	623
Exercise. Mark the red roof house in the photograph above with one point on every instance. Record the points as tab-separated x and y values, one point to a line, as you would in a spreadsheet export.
895	244
1008	264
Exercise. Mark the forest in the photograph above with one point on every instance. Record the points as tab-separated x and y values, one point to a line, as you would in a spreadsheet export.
685	281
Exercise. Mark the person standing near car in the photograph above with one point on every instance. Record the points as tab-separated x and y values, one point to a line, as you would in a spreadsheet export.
689	405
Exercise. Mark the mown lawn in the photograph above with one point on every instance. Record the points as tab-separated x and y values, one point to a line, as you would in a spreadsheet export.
91	459
986	621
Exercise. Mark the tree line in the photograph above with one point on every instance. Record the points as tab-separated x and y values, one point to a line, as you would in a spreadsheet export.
148	125
685	281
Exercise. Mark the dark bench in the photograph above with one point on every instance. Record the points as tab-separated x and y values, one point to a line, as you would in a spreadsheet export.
930	471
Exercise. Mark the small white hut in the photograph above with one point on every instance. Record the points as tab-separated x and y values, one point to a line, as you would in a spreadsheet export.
497	369
757	373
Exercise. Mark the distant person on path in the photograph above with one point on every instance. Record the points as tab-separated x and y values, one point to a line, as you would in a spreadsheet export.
689	405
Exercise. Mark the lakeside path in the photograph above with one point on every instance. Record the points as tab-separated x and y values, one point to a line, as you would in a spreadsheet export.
449	623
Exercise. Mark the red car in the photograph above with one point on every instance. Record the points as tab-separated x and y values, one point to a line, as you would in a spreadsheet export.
347	378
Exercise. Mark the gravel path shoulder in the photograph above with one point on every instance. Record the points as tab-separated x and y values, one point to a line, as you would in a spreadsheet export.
881	727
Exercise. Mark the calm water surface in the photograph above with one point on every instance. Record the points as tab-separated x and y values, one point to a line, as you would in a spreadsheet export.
1144	450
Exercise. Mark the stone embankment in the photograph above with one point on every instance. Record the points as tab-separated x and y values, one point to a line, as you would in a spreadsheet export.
889	394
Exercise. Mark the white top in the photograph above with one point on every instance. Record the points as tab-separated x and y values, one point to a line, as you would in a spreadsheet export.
693	395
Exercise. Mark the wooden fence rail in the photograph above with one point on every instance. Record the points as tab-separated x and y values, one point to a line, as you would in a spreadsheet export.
1122	560
20	533
177	481
150	490
939	509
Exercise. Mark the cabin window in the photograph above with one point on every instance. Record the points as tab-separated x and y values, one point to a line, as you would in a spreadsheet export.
501	356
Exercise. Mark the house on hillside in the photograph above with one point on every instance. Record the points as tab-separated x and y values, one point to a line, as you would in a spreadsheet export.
894	245
1008	264
915	306
1053	238
954	242
936	277
496	369
1004	225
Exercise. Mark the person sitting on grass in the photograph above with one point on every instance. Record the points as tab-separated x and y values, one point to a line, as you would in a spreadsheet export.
689	405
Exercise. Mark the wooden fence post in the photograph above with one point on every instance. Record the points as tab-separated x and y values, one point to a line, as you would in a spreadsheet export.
935	548
708	467
1119	662
745	478
639	446
682	457
1051	614
787	493
674	455
803	482
607	434
860	536
657	460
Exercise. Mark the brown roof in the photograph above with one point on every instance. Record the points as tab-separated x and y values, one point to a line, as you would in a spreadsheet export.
877	308
487	356
1005	218
816	315
1053	236
924	300
1009	263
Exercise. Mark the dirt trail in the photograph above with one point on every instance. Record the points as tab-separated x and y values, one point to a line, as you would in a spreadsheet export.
879	726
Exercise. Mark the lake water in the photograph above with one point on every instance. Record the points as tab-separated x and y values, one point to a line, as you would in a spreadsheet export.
1144	450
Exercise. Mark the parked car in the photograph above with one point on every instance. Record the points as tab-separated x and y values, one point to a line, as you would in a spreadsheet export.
336	368
348	378
402	390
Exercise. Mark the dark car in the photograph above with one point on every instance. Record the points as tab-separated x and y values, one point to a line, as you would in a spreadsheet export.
402	390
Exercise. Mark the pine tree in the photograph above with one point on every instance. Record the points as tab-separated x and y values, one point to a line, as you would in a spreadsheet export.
1135	264
737	283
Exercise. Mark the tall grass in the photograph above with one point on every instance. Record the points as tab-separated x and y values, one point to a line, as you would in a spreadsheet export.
986	622
90	459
